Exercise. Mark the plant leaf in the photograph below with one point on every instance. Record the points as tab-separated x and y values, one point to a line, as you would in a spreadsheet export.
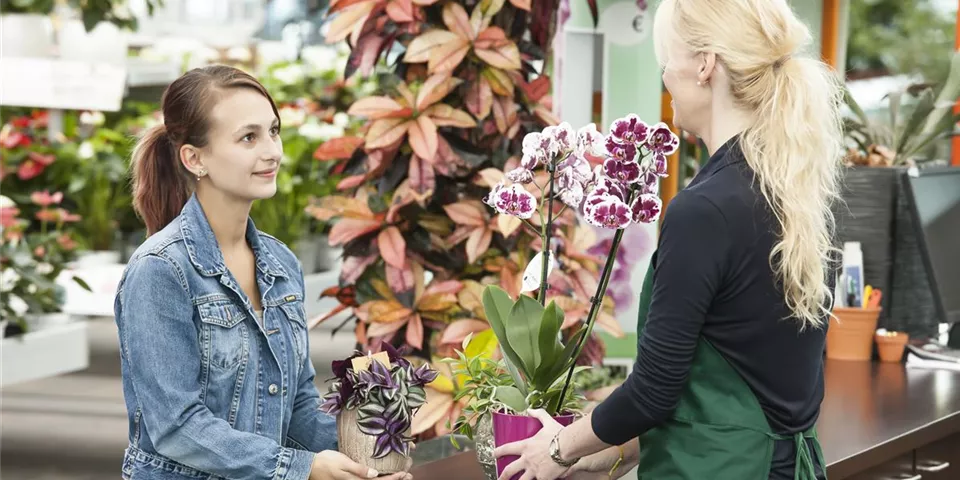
393	247
444	115
337	148
482	345
437	302
435	88
423	137
447	56
549	335
354	266
497	305
376	107
348	21
420	48
523	328
385	132
508	224
466	213
421	175
493	47
512	398
477	243
400	11
415	332
537	89
499	81
383	311
479	98
399	279
436	409
456	19
492	7
347	229
460	329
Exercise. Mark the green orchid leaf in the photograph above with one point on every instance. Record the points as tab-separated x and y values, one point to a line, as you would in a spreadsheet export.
512	398
497	305
550	324
523	329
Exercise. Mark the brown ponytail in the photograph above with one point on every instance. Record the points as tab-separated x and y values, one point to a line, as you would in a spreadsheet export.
161	184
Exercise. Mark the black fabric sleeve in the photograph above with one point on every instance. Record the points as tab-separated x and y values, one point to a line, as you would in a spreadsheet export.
691	261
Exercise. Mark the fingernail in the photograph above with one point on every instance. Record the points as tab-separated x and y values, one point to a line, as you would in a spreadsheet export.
372	473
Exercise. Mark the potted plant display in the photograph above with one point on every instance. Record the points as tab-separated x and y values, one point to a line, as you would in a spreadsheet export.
375	397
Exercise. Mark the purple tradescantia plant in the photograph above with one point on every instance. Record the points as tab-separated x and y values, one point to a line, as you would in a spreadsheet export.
386	399
616	194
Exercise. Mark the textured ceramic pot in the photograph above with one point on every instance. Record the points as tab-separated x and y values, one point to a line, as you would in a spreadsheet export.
360	446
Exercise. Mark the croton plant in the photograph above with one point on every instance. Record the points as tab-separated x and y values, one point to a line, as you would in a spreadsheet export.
460	84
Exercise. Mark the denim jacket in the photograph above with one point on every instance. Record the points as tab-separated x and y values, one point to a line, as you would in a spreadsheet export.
210	393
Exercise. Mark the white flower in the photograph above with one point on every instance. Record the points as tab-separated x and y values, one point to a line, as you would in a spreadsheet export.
320	58
92	118
6	202
44	268
292	117
291	74
32	289
590	141
322	132
341	119
8	279
86	150
17	304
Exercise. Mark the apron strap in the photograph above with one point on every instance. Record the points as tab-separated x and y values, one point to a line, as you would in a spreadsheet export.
805	468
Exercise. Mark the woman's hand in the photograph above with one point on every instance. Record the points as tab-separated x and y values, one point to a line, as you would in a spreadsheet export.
330	465
534	452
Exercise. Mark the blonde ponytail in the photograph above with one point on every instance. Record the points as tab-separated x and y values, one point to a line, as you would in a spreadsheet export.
794	144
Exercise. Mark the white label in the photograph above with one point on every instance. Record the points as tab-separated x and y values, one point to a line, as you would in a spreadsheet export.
532	274
61	84
623	23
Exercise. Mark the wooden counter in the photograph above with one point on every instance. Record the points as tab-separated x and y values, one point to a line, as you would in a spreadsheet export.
877	421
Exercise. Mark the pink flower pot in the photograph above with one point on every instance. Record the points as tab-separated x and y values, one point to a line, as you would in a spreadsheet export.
514	428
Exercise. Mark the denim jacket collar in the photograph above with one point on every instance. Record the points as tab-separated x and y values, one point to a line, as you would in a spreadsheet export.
204	252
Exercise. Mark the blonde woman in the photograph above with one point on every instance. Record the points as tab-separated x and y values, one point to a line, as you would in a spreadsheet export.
729	373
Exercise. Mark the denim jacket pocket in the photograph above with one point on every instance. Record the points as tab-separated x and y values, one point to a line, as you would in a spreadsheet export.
294	311
224	335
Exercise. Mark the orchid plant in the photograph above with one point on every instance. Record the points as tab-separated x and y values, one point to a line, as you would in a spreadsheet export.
386	398
617	193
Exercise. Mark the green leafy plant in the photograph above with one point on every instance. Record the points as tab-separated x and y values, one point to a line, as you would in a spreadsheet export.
910	130
92	11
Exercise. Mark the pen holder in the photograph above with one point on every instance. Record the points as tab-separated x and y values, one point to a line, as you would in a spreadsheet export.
890	345
850	335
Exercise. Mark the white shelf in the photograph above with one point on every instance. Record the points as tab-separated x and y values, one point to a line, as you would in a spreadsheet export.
44	353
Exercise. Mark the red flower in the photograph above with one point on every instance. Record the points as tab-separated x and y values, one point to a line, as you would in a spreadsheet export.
66	242
34	165
15	139
45	198
8	216
67	217
21	122
40	251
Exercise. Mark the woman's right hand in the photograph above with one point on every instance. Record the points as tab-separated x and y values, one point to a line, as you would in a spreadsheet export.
331	465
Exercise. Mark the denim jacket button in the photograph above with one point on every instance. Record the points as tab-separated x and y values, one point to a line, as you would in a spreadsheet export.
273	389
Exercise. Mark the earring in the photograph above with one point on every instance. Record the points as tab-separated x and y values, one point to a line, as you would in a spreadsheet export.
201	173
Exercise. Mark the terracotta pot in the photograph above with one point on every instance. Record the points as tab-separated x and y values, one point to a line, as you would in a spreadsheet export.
891	345
360	446
850	336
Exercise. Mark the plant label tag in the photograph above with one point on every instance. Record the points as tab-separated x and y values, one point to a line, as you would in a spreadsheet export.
361	364
532	274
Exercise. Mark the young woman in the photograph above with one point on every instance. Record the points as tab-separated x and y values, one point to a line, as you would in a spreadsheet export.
729	373
217	374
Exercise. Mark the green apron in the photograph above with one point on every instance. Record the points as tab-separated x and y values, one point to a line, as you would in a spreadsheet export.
719	431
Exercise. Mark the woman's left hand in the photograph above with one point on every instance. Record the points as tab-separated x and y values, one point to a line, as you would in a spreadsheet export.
534	452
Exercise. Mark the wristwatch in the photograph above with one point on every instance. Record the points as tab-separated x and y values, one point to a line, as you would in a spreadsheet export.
555	453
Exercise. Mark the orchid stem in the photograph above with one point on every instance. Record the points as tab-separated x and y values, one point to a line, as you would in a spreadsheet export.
595	303
545	262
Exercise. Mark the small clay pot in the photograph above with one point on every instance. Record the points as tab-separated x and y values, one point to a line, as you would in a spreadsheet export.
890	345
850	335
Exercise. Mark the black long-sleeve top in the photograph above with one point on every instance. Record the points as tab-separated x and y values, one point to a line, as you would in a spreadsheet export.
713	277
